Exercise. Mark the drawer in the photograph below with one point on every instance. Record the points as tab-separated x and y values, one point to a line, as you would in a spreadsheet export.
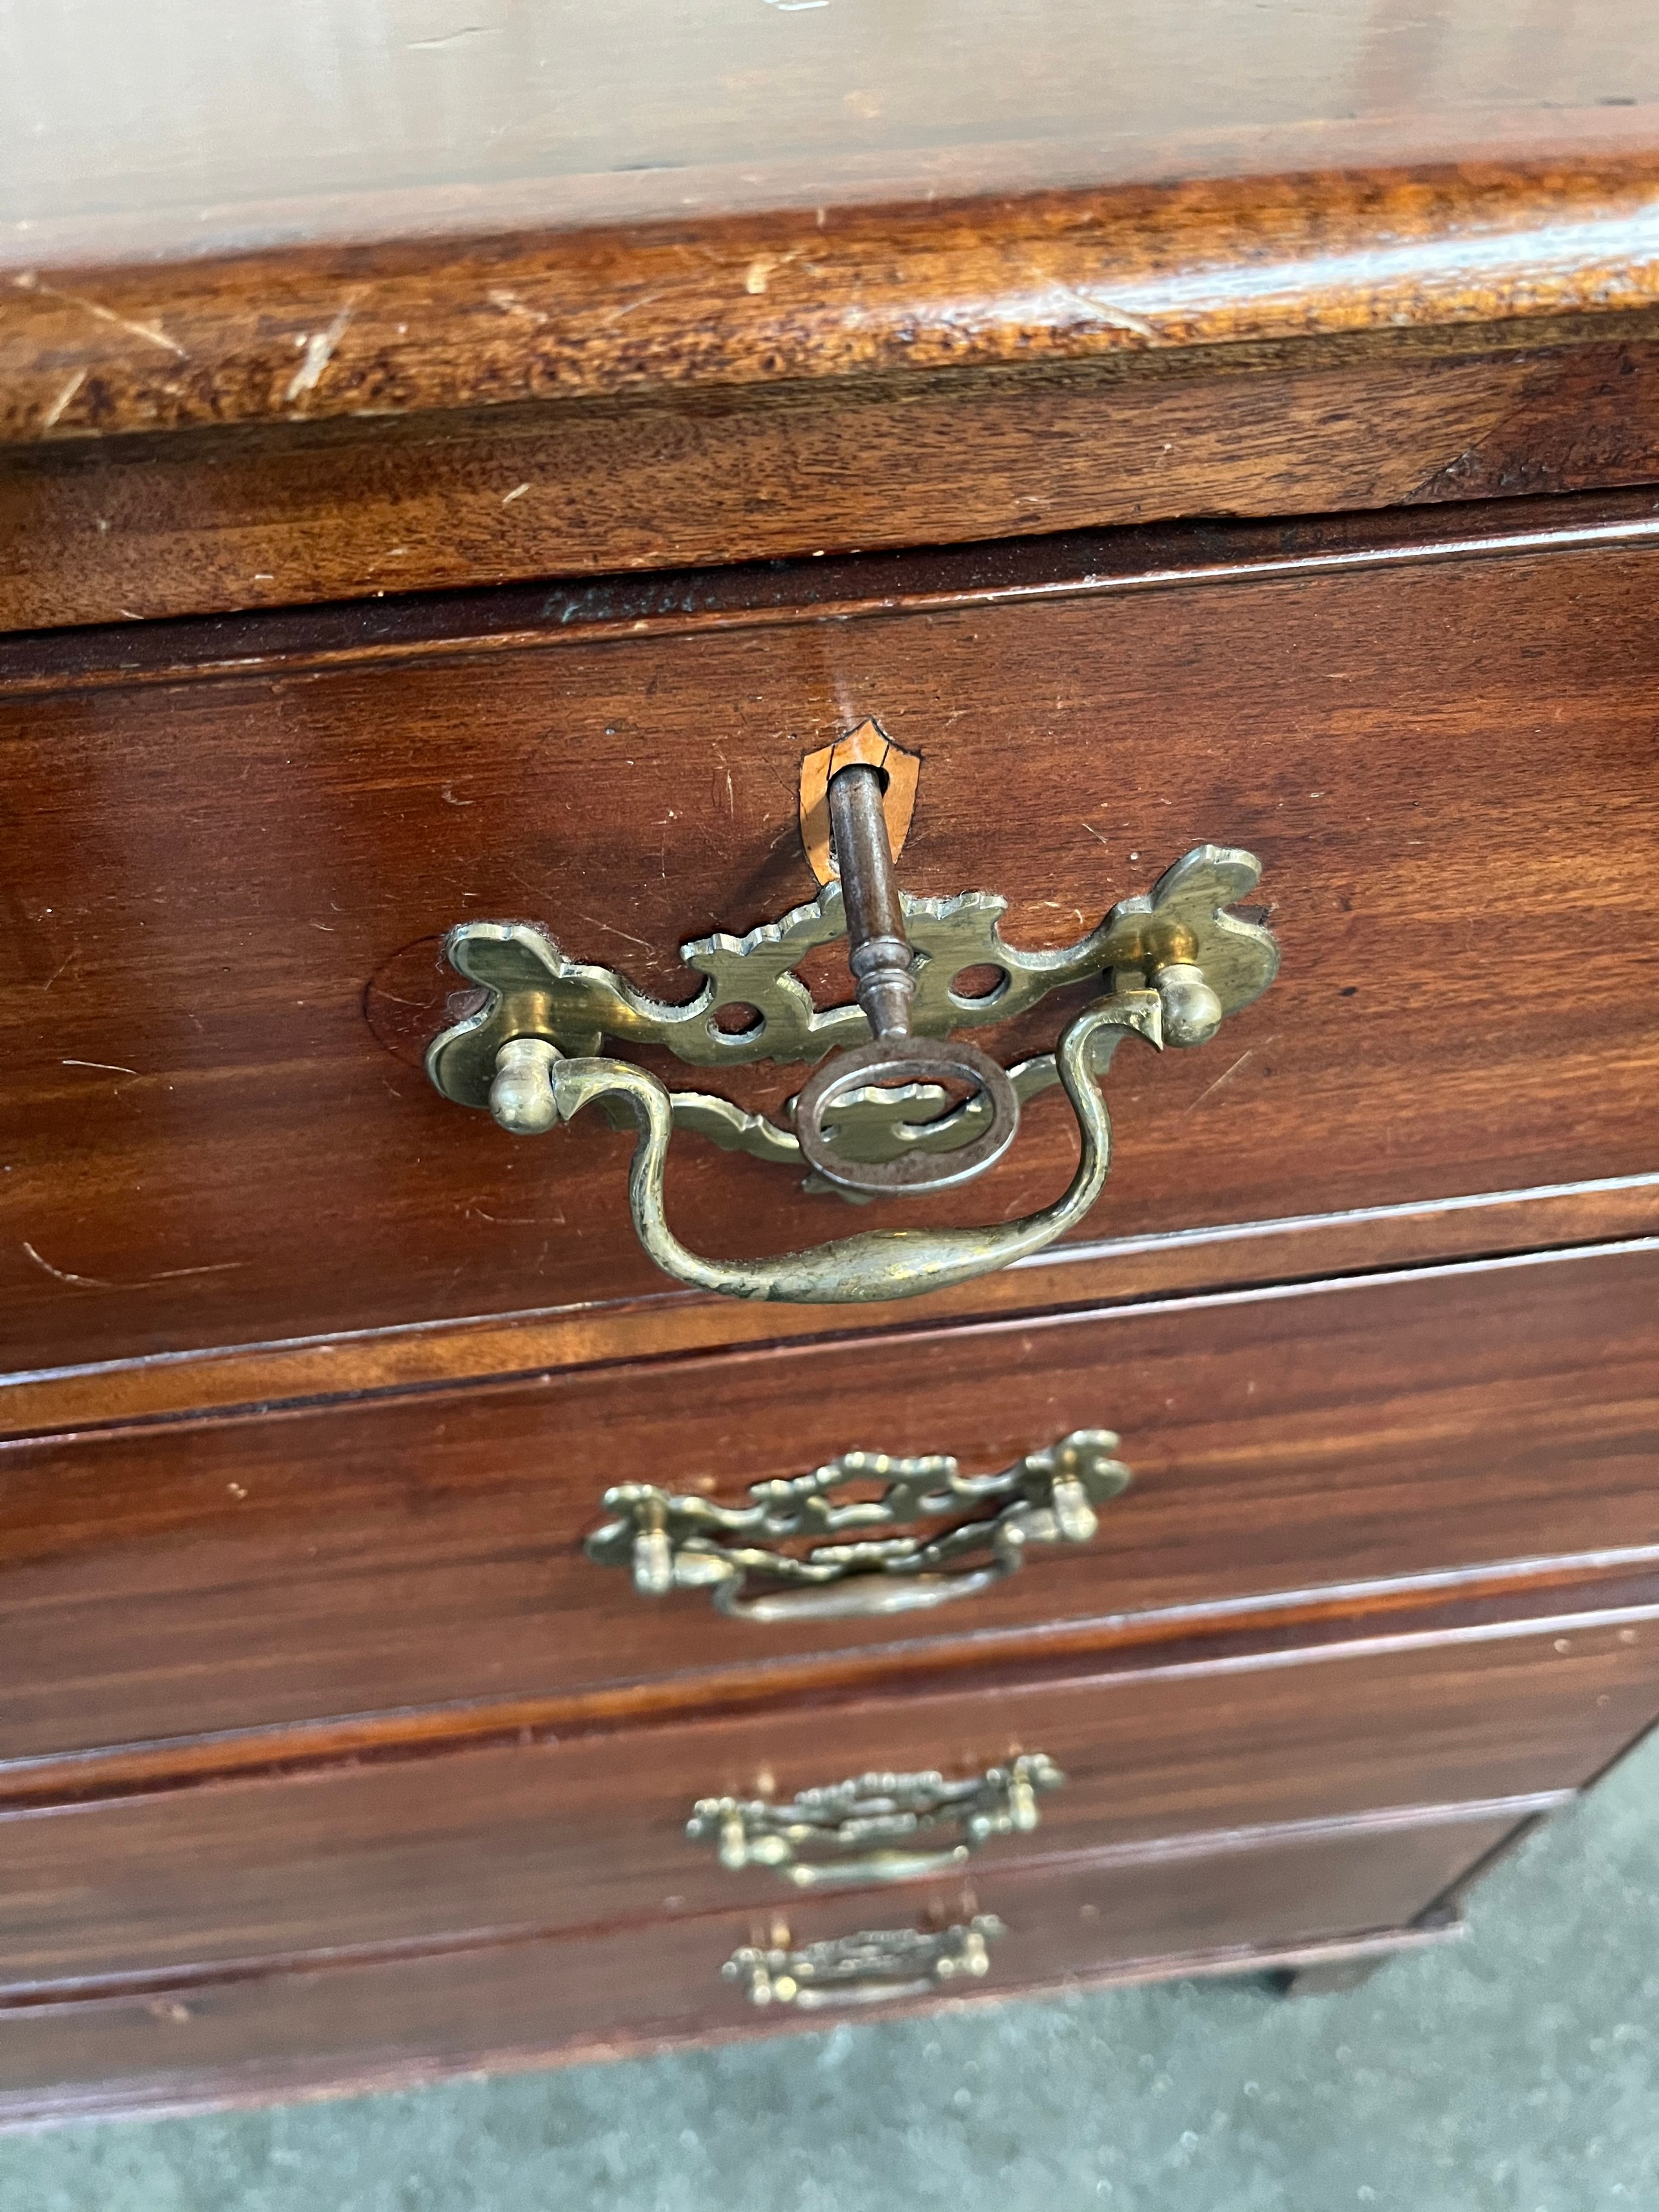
228	885
426	1552
517	1840
598	1995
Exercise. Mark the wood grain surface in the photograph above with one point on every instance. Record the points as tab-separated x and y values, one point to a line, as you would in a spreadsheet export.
850	282
423	1555
157	524
228	897
1114	1271
326	330
327	1757
527	1839
406	2021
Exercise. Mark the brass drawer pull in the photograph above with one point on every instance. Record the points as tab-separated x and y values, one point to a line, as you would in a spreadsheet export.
868	1816
686	1542
871	1967
878	1118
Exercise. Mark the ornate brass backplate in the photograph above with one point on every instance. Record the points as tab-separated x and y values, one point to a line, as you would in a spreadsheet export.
536	991
876	1963
687	1542
869	1817
907	1108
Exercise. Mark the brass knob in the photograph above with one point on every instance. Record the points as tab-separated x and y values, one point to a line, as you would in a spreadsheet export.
521	1098
1192	1011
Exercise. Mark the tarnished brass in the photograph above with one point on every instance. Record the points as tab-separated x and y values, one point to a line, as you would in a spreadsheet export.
1175	963
876	1965
869	1816
881	1263
536	991
674	1541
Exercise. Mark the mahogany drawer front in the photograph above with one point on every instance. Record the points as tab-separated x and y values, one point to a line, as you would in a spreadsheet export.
519	1838
427	1551
600	1995
213	877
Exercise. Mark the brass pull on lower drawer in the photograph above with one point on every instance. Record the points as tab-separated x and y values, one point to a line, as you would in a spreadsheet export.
869	1817
687	1542
872	1968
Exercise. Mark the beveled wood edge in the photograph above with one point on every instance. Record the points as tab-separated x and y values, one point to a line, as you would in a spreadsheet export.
792	292
249	2085
1505	1600
58	1992
1496	1228
428	626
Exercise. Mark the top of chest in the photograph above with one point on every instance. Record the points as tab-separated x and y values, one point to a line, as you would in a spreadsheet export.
300	307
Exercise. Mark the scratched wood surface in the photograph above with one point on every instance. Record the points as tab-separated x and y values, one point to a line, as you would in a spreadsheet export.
557	297
497	2007
99	529
422	1556
477	222
324	330
1111	1272
228	897
443	306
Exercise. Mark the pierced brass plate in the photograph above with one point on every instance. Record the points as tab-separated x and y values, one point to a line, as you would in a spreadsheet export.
536	991
674	1541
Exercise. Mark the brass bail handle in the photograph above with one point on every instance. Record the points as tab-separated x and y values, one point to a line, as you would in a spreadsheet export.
881	964
875	1820
898	1103
740	1553
873	1966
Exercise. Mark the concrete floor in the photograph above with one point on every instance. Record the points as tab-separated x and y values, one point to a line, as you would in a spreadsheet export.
1518	2070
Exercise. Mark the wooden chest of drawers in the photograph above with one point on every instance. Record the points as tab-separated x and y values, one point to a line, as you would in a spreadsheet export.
434	1637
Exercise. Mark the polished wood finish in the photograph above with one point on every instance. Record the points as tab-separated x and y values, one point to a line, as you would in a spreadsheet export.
214	1146
147	526
763	298
568	1834
151	526
731	386
401	2022
1109	1272
426	1552
631	325
231	132
1094	565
